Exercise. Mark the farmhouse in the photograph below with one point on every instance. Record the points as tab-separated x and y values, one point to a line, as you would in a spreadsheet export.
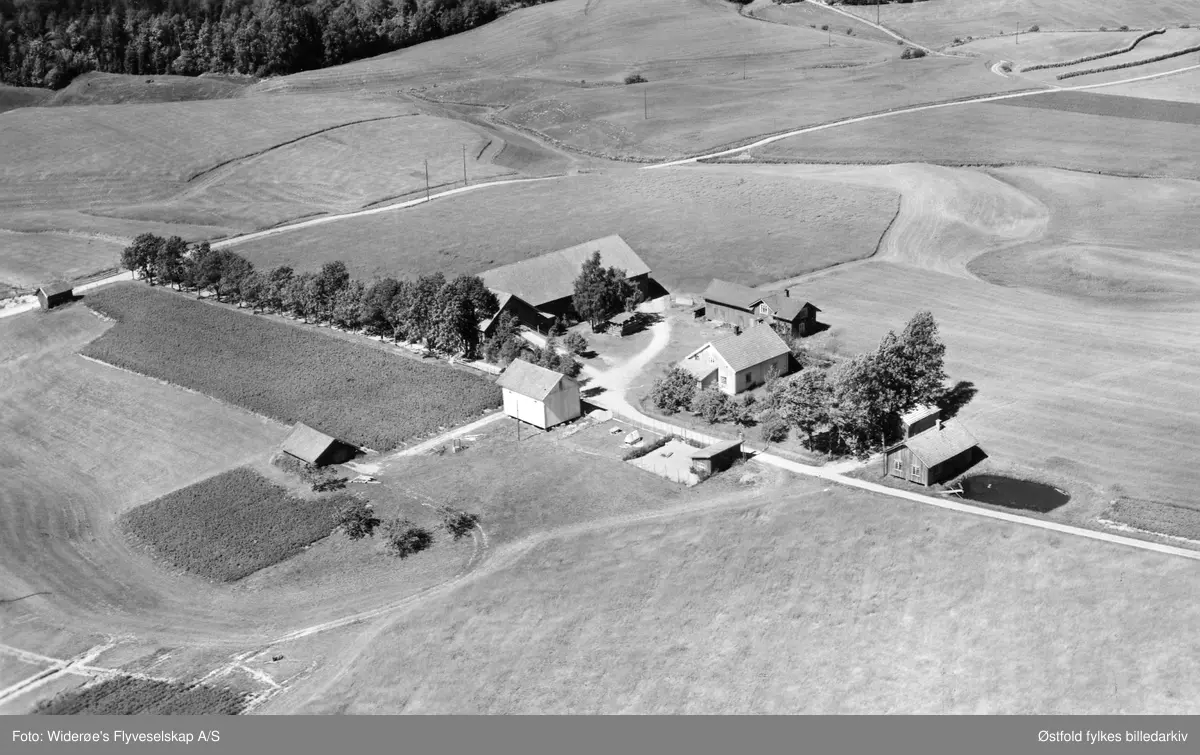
933	450
53	294
541	397
717	457
548	282
744	307
316	448
739	362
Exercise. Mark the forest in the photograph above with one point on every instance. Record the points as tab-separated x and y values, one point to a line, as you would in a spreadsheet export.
47	43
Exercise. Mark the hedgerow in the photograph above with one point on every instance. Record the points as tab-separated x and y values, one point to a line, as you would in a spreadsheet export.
230	526
127	696
1097	56
1130	64
363	395
1154	516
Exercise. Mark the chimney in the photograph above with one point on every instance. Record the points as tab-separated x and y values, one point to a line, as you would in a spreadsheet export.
939	424
787	293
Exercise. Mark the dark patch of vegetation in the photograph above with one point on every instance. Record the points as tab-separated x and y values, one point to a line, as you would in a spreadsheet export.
321	479
230	526
635	78
357	520
1097	56
458	523
912	53
1155	516
405	539
673	392
364	395
127	696
1130	64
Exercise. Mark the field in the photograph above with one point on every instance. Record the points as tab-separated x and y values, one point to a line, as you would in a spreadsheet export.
798	602
28	260
366	396
812	15
797	227
15	97
230	526
95	88
1184	87
124	696
1156	516
1048	47
939	22
1002	134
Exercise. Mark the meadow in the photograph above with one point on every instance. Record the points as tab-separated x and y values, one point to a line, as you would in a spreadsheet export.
367	396
28	260
689	226
1003	133
231	525
14	97
96	88
796	602
126	696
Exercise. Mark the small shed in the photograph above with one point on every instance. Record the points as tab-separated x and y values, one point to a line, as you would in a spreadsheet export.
315	448
622	323
54	294
919	419
542	397
717	457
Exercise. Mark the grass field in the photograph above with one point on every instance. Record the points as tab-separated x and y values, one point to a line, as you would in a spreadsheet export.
15	97
1048	46
812	16
125	696
365	396
96	88
230	526
689	226
800	603
1003	134
939	22
1184	87
30	259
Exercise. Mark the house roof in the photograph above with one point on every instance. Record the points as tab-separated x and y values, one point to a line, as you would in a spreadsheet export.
530	380
744	297
754	346
717	448
550	277
50	289
918	413
937	444
698	370
307	444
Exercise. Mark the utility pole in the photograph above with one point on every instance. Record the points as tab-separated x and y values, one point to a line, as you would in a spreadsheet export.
427	179
877	12
743	68
464	165
645	104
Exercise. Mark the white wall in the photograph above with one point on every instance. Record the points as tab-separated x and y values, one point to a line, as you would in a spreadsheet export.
524	408
563	404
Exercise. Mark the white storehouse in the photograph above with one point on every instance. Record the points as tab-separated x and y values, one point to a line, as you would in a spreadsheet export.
543	398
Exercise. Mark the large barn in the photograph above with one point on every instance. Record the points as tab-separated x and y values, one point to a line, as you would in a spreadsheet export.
548	282
744	307
739	362
543	398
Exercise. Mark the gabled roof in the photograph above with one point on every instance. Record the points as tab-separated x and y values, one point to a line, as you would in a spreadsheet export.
307	444
918	413
717	448
50	289
550	277
530	380
785	307
698	370
754	346
744	297
935	445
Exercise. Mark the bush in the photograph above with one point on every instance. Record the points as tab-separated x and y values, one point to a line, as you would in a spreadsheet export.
357	520
637	453
1097	56
714	406
127	696
635	78
322	479
458	523
912	53
773	428
1036	28
575	343
674	391
824	27
1130	64
1124	27
405	539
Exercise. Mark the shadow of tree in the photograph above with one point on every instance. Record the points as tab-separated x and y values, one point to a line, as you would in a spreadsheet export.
956	398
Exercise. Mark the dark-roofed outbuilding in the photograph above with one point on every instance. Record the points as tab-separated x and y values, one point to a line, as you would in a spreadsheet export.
717	457
54	294
316	448
942	450
745	307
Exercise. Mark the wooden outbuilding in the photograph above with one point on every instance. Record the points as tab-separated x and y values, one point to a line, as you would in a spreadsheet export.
315	448
543	398
717	457
621	323
933	450
54	294
746	307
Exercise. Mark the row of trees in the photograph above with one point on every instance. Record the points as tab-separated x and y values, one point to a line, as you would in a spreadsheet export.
47	45
852	405
442	314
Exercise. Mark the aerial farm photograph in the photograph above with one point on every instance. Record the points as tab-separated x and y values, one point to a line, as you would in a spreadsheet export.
599	357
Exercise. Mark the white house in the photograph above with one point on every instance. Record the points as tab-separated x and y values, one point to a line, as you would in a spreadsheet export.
539	396
738	363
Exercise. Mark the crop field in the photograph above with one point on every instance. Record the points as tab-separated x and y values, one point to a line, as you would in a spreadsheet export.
1156	516
1113	106
30	259
230	526
939	22
125	696
365	396
1001	134
798	602
689	225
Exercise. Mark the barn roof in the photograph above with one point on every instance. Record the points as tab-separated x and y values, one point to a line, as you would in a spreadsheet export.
717	448
744	297
307	444
50	289
754	346
550	277
937	444
530	380
787	308
918	413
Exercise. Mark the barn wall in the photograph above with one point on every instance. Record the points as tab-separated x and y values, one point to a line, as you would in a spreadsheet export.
524	408
723	313
563	404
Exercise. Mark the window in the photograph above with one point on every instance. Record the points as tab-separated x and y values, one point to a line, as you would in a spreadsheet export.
899	465
722	380
916	470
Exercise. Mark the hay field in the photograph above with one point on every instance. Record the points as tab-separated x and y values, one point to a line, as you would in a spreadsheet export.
1003	133
14	97
1183	87
689	226
1048	46
812	15
939	22
96	88
30	259
801	602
